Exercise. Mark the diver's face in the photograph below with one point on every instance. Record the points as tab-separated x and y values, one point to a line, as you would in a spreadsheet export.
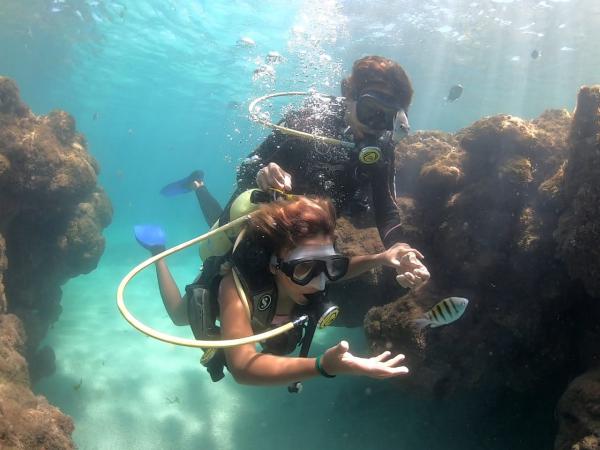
296	292
359	129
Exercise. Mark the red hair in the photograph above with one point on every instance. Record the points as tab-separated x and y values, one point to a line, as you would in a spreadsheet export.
283	224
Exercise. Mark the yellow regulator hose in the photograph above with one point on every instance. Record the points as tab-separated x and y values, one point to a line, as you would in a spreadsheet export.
192	342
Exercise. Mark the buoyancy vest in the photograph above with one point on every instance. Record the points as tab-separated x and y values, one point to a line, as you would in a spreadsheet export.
250	262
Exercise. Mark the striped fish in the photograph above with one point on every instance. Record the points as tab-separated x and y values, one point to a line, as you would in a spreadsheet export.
443	313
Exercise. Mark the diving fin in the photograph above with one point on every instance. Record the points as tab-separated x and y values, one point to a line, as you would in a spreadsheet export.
151	237
184	185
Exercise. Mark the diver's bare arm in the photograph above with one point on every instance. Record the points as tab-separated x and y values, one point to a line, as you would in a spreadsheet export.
391	257
170	295
245	364
360	264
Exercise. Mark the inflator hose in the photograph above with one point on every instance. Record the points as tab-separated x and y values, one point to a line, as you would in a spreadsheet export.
255	116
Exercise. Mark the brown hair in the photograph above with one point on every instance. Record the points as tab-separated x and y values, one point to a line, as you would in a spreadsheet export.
282	225
372	71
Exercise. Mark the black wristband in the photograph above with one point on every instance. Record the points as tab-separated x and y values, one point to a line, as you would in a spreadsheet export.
320	369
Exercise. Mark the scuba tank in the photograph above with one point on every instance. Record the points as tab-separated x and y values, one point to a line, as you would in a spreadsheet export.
221	243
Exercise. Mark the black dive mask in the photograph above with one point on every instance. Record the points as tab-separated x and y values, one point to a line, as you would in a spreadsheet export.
303	270
381	112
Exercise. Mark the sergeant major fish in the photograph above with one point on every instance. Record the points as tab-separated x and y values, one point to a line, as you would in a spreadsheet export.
447	311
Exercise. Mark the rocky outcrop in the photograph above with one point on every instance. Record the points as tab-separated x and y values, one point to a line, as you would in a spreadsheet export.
507	213
52	213
26	421
578	413
472	205
377	287
578	233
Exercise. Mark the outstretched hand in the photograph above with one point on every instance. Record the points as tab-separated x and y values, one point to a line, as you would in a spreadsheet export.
338	360
412	273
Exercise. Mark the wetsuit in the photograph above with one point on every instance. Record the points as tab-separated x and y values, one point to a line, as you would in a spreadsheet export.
329	170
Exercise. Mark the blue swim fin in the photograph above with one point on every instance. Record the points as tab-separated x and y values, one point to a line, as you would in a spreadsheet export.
184	185
151	237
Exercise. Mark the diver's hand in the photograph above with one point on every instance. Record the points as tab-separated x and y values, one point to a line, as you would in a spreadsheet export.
412	274
273	176
393	256
338	360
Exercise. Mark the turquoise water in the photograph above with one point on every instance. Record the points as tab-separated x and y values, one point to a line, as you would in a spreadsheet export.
155	87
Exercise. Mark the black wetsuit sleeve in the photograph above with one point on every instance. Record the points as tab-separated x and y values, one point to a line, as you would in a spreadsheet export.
387	217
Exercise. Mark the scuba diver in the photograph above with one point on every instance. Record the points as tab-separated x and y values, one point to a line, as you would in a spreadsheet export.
371	118
277	270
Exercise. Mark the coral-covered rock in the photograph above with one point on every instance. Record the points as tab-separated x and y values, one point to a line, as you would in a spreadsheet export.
52	214
579	414
3	264
507	213
52	211
10	102
377	287
578	232
26	421
471	202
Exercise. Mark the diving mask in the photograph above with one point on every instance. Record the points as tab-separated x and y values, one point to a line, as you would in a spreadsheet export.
308	264
380	112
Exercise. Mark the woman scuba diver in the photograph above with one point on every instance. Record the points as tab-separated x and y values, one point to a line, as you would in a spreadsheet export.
277	271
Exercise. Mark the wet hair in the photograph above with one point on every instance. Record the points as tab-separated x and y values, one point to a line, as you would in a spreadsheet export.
282	225
377	71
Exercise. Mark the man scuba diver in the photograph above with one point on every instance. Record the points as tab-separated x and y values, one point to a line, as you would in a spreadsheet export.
372	116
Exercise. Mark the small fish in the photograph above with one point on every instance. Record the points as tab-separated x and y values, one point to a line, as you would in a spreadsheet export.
454	93
170	401
246	41
273	57
263	71
77	386
233	105
443	313
95	116
535	54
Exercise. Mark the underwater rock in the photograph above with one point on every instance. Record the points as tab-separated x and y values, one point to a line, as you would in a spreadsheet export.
52	213
3	265
376	287
26	421
10	102
42	363
507	213
471	203
578	232
578	414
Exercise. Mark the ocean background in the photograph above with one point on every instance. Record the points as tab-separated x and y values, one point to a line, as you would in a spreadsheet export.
161	88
